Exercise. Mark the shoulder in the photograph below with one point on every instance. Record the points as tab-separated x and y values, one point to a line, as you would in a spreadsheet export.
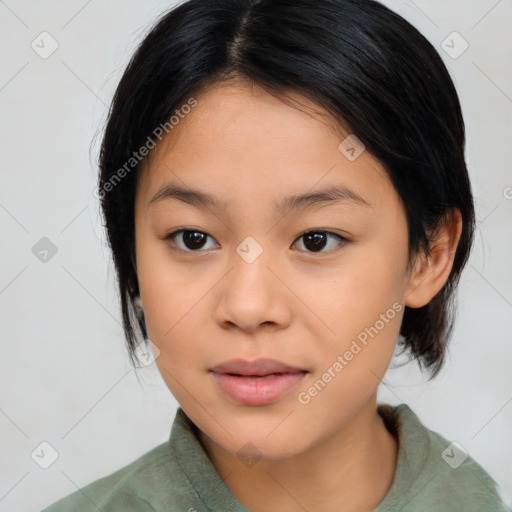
175	476
140	486
434	473
122	485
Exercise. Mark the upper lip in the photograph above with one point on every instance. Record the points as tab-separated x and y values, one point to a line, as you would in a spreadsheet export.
256	367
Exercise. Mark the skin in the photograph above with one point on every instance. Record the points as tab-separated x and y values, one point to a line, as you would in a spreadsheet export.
304	308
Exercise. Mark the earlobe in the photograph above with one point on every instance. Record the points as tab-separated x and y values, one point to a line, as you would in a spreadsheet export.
431	271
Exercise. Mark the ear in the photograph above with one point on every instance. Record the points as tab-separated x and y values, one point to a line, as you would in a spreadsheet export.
430	272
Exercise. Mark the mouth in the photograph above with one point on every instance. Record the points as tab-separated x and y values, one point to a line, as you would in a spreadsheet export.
258	382
258	368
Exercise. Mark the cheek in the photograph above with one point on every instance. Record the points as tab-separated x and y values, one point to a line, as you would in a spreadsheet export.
362	304
171	296
353	295
351	363
175	323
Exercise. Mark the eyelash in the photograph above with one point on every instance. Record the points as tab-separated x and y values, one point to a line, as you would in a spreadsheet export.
172	235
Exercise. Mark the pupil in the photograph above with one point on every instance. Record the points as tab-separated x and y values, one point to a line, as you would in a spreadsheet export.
315	240
194	239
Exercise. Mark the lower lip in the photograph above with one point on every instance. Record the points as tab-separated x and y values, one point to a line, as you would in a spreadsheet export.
254	390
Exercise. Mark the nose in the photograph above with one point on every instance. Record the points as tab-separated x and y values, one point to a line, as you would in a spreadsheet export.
253	294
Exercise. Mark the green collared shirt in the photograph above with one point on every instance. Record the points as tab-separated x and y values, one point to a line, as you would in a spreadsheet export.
432	475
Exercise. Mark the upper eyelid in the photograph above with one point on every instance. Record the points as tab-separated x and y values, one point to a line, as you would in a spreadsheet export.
315	230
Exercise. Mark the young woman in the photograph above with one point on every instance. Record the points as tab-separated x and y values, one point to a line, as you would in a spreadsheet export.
286	197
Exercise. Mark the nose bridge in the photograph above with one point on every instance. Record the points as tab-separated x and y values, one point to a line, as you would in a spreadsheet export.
250	276
252	294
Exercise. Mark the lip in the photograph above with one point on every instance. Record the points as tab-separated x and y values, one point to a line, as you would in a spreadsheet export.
258	382
257	367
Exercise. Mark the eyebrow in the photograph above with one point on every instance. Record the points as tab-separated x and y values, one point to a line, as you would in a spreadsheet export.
203	200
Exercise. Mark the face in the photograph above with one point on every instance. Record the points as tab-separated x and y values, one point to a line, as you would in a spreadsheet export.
230	282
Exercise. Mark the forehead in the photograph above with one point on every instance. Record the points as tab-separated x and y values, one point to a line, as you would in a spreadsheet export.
241	142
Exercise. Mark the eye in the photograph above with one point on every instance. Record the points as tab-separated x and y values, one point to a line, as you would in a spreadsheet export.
316	240
191	240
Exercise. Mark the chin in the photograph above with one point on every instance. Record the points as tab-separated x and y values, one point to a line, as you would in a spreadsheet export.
263	449
266	438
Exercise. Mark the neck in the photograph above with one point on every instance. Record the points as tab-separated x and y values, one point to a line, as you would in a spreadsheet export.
352	470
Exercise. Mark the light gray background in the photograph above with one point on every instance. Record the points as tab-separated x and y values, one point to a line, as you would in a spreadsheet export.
64	373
